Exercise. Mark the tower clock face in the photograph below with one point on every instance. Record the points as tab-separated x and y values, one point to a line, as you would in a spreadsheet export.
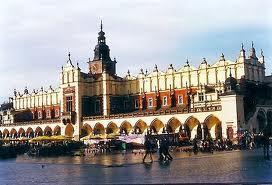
95	68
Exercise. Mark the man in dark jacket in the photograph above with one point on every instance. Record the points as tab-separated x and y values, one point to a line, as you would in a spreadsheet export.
148	149
267	133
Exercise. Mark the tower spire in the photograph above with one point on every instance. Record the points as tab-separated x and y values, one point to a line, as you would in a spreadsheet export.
222	57
252	51
262	57
242	51
69	61
69	56
101	25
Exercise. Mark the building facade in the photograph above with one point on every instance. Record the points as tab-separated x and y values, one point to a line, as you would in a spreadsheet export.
215	100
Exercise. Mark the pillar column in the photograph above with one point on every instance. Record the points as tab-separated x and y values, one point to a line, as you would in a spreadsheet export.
106	97
202	132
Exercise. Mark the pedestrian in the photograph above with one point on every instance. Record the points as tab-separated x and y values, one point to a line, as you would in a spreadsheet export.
267	133
148	149
210	141
166	150
195	147
161	150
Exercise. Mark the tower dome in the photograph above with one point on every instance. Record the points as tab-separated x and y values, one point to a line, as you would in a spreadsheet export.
102	51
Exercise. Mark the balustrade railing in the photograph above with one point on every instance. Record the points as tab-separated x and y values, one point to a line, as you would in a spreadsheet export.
34	122
156	113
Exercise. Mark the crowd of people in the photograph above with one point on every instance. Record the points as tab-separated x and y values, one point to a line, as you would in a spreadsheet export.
244	141
42	148
162	146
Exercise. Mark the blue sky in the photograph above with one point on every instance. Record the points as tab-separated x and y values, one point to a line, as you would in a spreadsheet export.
36	35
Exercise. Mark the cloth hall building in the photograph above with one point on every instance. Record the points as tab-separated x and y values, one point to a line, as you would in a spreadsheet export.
210	100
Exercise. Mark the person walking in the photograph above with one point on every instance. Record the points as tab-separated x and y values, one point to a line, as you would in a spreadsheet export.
166	150
161	150
148	149
195	147
266	134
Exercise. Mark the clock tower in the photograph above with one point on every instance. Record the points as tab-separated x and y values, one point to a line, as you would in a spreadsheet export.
102	60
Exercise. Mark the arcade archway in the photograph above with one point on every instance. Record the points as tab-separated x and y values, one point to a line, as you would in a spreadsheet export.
69	130
38	131
212	127
29	132
48	131
112	128
125	128
21	132
13	133
140	127
172	125
190	127
156	126
57	131
99	129
5	133
86	130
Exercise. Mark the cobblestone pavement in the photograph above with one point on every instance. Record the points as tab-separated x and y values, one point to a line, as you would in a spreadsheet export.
220	167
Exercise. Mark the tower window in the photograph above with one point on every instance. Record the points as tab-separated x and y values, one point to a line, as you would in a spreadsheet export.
40	114
180	101
69	100
97	106
48	113
125	105
165	100
137	103
56	112
200	97
150	102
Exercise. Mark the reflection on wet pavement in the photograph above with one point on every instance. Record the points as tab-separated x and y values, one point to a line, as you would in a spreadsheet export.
235	166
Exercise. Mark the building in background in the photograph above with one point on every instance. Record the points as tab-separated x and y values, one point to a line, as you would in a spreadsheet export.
214	100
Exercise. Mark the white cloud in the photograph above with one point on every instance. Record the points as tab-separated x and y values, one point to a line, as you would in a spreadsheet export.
35	36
